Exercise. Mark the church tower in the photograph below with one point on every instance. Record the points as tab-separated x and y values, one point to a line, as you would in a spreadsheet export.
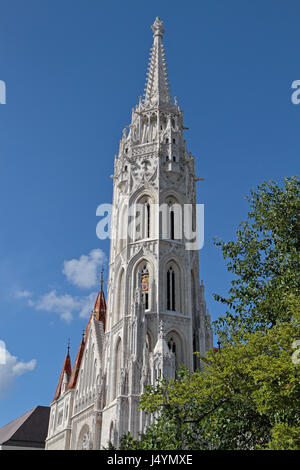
156	315
156	310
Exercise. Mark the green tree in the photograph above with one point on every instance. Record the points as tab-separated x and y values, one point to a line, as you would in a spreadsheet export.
264	259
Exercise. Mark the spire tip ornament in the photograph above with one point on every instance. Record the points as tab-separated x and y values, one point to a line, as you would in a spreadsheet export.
157	27
101	279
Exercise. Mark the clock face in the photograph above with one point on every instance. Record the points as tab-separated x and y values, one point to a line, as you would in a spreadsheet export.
145	282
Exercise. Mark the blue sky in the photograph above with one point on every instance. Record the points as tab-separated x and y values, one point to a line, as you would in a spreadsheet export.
73	71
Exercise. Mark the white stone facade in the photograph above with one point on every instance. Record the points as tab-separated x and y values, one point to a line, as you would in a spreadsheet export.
156	313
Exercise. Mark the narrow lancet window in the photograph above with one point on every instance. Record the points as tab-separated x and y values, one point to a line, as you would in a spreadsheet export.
172	225
147	220
170	289
145	286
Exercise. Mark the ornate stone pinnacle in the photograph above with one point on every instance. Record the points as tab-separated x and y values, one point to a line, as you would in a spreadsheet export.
157	27
161	329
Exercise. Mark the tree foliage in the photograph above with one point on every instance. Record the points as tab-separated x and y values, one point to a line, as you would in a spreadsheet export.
264	259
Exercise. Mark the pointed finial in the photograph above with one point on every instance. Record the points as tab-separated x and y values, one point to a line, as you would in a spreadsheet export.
68	347
157	27
101	279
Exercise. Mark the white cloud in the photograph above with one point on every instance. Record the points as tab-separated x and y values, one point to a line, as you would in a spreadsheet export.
65	305
87	304
10	368
20	294
84	272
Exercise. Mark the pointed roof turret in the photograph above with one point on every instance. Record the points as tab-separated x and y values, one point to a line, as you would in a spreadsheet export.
100	304
157	87
99	314
76	367
64	375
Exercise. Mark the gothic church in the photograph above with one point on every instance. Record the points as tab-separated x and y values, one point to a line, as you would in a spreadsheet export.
156	315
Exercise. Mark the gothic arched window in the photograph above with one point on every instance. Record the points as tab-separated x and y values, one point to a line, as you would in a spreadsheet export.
145	285
172	345
172	224
171	289
147	205
143	218
174	219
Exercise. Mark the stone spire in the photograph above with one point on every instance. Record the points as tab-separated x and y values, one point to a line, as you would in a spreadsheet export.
100	304
157	85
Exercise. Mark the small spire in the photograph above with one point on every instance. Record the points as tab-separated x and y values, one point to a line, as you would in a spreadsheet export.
76	367
99	310
101	279
68	347
64	376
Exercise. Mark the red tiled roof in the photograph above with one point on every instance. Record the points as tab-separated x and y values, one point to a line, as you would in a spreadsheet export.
76	367
100	307
66	368
100	315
